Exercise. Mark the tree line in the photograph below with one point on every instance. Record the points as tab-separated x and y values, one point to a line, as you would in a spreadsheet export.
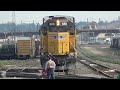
8	27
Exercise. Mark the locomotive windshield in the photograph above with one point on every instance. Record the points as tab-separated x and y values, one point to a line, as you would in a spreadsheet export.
58	24
62	25
58	29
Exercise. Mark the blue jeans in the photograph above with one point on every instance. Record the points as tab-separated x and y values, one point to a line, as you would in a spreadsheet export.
50	73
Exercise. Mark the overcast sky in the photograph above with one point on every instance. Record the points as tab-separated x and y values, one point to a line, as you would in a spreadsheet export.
29	16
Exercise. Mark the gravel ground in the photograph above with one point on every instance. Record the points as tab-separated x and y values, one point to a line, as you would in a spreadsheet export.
19	63
83	70
113	66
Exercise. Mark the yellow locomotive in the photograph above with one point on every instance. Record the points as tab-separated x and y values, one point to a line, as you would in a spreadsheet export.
58	40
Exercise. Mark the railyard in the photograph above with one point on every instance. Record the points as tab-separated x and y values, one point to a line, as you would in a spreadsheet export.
94	61
31	68
77	55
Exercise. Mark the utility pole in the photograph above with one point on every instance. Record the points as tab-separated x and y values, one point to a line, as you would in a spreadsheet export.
81	38
13	22
37	26
33	25
5	32
93	37
88	29
106	26
14	27
22	30
99	20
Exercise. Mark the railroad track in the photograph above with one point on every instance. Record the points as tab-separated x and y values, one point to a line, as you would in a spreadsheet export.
74	77
106	71
33	73
86	60
36	74
21	72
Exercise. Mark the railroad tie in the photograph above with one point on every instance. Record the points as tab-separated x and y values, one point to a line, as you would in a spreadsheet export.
110	70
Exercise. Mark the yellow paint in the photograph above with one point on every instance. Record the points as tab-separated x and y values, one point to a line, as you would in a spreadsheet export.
24	47
58	43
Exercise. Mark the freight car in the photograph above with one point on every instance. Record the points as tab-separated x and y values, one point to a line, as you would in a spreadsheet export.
118	42
7	50
115	42
58	41
25	47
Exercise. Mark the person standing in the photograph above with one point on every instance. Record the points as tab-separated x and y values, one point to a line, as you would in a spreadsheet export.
50	68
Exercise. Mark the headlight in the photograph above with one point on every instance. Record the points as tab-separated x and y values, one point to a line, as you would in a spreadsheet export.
49	53
58	23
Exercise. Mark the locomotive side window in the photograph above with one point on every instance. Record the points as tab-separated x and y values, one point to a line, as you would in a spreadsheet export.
44	31
72	30
71	27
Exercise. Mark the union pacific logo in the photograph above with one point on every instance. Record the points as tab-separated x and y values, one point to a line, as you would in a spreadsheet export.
58	37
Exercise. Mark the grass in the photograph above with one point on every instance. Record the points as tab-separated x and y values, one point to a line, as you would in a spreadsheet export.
108	60
100	58
3	62
6	62
86	52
